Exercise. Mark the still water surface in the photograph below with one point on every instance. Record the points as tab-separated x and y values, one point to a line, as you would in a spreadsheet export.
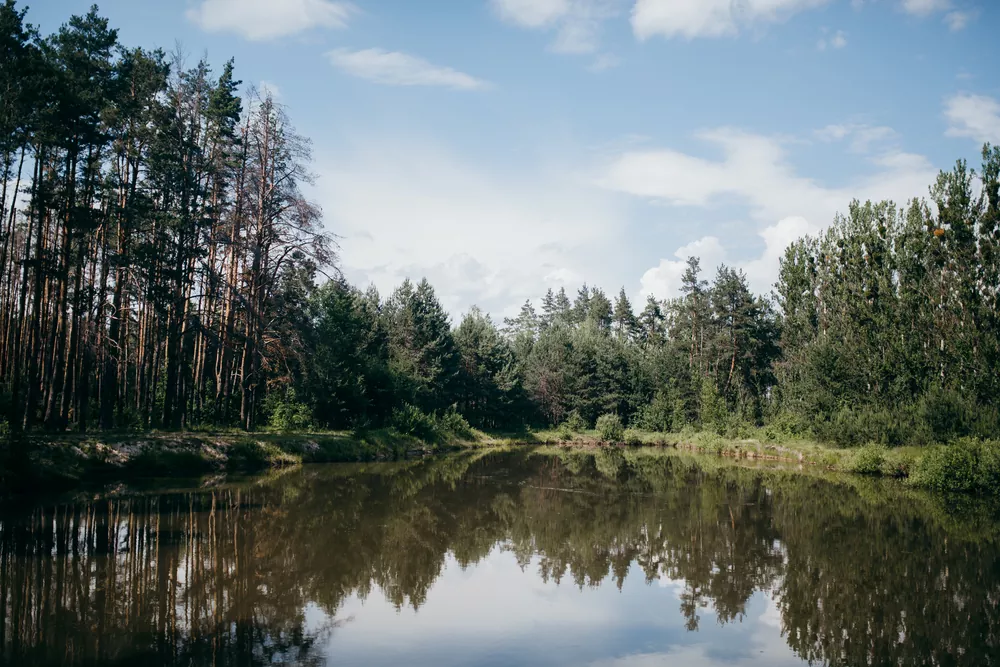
607	558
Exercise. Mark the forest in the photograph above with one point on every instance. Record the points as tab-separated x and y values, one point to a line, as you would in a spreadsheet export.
162	268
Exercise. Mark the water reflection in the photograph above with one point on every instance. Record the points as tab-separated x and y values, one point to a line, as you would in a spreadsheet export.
607	558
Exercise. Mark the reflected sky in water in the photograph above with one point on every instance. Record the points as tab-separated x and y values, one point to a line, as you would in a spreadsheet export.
498	613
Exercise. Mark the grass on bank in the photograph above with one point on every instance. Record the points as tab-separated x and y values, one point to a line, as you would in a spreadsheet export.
966	465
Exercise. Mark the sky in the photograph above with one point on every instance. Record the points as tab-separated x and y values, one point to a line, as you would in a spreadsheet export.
502	147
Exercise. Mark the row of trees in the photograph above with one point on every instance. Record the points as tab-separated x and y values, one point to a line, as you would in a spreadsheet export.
156	247
160	267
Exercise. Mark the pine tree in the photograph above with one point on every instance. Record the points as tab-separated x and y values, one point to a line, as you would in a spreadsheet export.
626	324
651	323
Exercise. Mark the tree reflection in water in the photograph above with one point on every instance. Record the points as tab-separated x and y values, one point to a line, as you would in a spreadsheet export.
863	573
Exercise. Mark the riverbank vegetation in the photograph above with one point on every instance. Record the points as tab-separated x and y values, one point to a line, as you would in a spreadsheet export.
161	268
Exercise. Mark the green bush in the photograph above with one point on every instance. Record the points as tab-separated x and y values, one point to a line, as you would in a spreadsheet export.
609	428
454	423
288	414
714	415
632	438
660	414
575	422
868	460
410	420
564	433
967	466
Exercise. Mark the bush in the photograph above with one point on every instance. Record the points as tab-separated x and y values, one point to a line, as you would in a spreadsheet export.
967	466
868	460
575	422
610	428
288	414
713	411
410	420
564	433
632	438
659	414
454	423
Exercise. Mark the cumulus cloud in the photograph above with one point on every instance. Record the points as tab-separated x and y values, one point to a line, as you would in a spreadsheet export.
755	172
400	69
664	280
710	18
973	116
413	209
266	19
576	23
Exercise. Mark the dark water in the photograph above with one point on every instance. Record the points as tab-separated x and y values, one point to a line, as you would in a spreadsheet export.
623	559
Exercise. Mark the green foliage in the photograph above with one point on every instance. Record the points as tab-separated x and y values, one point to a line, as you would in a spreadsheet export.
575	422
868	460
712	409
609	428
453	422
411	420
968	466
287	413
632	438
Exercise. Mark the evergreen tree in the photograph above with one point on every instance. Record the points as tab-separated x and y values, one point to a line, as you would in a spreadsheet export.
626	324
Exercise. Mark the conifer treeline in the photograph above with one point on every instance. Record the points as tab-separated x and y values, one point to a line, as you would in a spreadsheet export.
159	267
155	240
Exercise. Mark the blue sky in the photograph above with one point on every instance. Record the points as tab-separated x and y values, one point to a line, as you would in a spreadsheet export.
500	147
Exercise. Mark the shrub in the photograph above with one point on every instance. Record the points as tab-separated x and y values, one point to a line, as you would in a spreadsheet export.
288	414
410	420
868	460
610	428
966	466
659	414
575	422
713	408
564	433
454	423
632	438
946	413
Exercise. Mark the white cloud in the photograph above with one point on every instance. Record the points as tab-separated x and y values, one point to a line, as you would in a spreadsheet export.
754	171
925	7
664	280
269	19
531	13
974	116
837	41
577	23
481	236
861	136
958	20
400	69
710	18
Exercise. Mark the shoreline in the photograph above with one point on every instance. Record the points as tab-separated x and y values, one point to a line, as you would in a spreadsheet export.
65	461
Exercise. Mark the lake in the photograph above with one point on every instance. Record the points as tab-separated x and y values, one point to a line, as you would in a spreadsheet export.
616	558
